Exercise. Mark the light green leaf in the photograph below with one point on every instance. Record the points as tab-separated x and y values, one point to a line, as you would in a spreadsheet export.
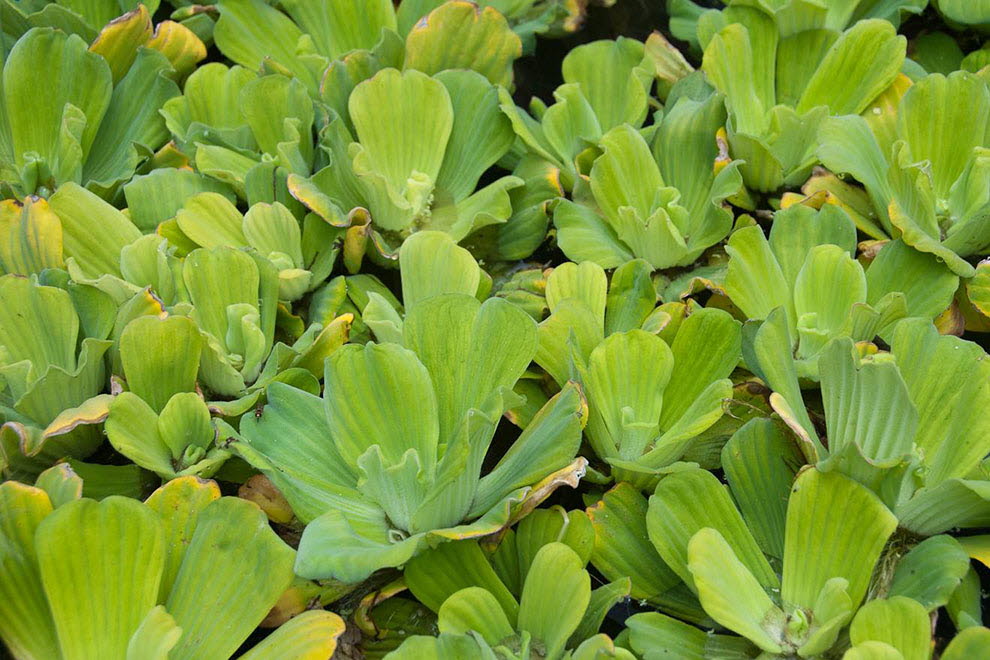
760	462
160	357
835	528
26	623
433	264
235	568
480	135
311	635
931	571
608	75
108	554
556	572
78	83
692	499
365	390
474	609
461	35
729	592
93	232
155	637
869	53
437	574
179	501
946	378
898	621
622	544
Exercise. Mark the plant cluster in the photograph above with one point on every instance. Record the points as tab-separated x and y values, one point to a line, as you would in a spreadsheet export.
317	339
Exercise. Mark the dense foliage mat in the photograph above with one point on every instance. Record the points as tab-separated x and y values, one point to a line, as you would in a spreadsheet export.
558	329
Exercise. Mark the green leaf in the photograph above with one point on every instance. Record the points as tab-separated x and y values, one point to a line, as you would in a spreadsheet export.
478	350
729	592
855	57
900	622
947	380
583	235
706	349
249	31
622	544
626	379
155	197
967	643
461	35
78	86
388	110
155	637
290	443
339	27
959	104
867	406
559	573
480	135
931	571
631	297
131	123
690	500
132	428
26	623
760	462
928	286
835	528
211	220
310	635
93	232
952	503
433	264
474	609
235	568
108	554
30	237
365	390
437	574
179	501
654	635
160	357
755	281
547	444
608	75
61	483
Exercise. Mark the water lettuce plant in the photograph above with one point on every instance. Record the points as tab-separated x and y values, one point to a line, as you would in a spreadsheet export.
932	193
780	83
374	328
148	581
97	117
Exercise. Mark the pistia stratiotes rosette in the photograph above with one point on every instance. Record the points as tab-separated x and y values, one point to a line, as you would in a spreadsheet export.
806	247
905	422
376	479
186	574
50	376
649	395
929	175
247	131
661	201
787	573
419	147
780	82
495	603
428	36
304	253
96	118
606	84
685	15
